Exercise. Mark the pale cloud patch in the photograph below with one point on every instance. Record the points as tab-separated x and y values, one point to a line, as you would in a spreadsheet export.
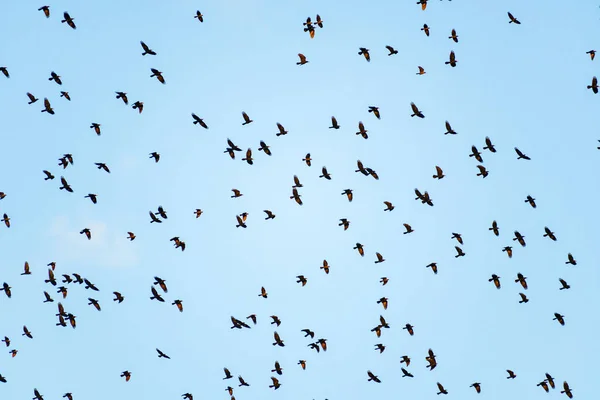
104	249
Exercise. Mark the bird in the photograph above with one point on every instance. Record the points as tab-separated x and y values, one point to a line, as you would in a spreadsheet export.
198	120
281	130
154	218
511	374
147	50
524	298
521	155
550	380
408	228
242	382
567	390
425	29
65	95
334	123
155	156
476	386
96	127
348	193
95	303
364	52
87	233
409	329
475	153
162	355
362	131
199	16
388	206
441	389
325	266
452	59
373	377
439	173
303	59
198	212
248	157
360	248
65	185
297	183
384	302
459	252
68	20
488	145
564	284
531	201
375	111
380	347
453	36
513	19
126	375
278	368
449	130
26	332
158	74
458	237
482	171
592	54
118	297
549	233
138	105
508	250
102	166
92	197
278	340
423	4
54	77
520	238
236	193
406	374
6	220
380	258
275	384
522	280
161	212
156	295
571	259
421	71
46	10
32	98
122	96
495	228
227	374
416	111
391	50
560	318
301	279
496	279
594	85
47	107
131	236
433	267
302	364
247	119
325	174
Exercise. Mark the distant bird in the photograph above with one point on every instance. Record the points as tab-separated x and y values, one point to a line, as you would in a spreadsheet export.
508	250
7	291
560	318
301	279
459	252
362	131
439	173
494	228
549	233
247	119
26	332
423	4
65	95
453	36
458	237
520	238
46	10
531	201
567	390
433	267
138	105
425	29
96	127
102	166
452	59
449	129
281	129
364	52
156	73
278	340
477	387
594	85
524	298
416	111
380	347
521	155
95	303
198	120
373	377
564	284
126	375
325	267
408	228
380	258
118	297
147	49
47	107
37	395
391	50
122	96
199	16
441	389
154	218
131	236
155	156
156	295
482	171
198	212
87	233
6	220
475	153
69	20
302	59
571	259
162	355
65	185
348	192
550	380
296	196
307	159
406	374
227	374
409	329
388	206
302	364
32	98
248	157
54	77
360	249
375	111
326	174
522	280
384	302
513	19
275	384
496	279
334	123
242	381
511	374
278	368
421	71
592	54
26	269
488	145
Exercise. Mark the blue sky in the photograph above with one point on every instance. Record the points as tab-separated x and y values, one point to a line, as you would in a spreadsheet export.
522	86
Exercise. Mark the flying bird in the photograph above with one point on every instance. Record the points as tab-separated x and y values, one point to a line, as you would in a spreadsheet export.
68	20
453	36
425	29
46	10
513	19
198	120
162	355
147	50
416	111
391	50
594	85
302	59
364	52
452	59
47	107
521	155
156	73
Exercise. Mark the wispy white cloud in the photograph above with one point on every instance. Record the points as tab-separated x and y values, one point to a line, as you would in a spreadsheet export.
104	249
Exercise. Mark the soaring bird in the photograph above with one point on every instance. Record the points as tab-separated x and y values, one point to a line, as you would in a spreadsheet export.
567	390
441	389
496	279
531	201
520	238
564	284
391	50
511	374
364	52
488	145
408	228
198	120
592	54
69	20
7	291
482	171
303	59
199	16
46	10
521	155
453	36
425	29
47	107
373	377
155	156
421	71
477	387
247	119
122	96
102	166
147	49
495	228
275	384
162	355
6	220
449	130
594	85
96	127
452	59
87	233
524	298
416	111
32	98
126	375
388	206
334	123
439	173
156	73
360	249
513	19
362	131
570	259
65	185
549	233
375	111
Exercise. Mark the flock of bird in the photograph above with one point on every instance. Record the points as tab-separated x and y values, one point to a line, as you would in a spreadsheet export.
159	288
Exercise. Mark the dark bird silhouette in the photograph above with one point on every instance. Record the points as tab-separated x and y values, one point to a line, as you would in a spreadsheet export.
46	10
122	96
198	120
139	106
488	145
373	377
524	298
452	60
158	74
364	52
375	111
511	374
441	389
334	123
47	107
531	201
391	50
421	71
571	259
592	54
325	174
564	284
495	228
303	59
32	98
496	279
477	387
199	16
594	85
521	155
453	36
69	20
416	111
162	355
147	50
567	390
247	119
513	19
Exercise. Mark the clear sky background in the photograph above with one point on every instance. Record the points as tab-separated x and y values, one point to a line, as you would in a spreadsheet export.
521	85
